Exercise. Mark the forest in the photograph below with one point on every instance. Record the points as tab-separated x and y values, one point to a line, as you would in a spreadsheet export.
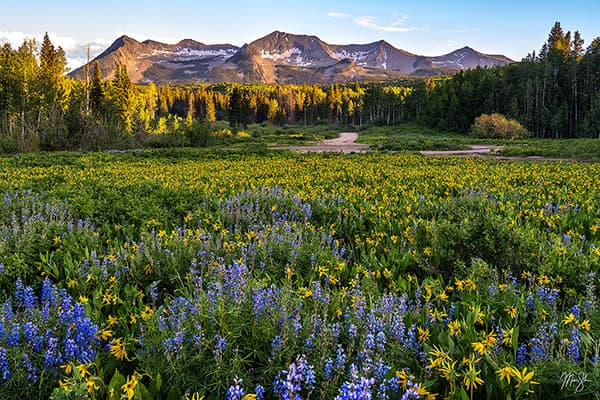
554	93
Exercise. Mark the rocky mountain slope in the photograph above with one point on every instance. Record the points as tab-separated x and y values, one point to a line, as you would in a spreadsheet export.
278	57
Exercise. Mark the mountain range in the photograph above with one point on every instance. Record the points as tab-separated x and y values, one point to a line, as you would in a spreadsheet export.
278	58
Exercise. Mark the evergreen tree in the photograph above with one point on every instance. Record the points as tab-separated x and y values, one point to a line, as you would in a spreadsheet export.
577	47
52	68
96	88
123	96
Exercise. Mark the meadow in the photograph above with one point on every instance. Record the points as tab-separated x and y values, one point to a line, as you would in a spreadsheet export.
187	273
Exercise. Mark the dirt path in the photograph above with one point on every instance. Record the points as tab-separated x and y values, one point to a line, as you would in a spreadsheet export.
489	151
476	149
345	143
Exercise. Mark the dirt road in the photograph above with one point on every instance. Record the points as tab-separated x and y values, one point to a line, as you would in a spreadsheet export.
345	143
475	150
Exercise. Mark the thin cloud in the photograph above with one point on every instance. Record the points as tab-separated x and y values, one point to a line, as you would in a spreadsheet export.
338	15
465	30
370	22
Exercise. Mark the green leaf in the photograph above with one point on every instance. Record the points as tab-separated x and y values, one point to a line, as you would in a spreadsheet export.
155	384
460	394
174	393
115	383
141	392
515	339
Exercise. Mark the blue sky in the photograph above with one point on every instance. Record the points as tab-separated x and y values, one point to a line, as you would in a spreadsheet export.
512	28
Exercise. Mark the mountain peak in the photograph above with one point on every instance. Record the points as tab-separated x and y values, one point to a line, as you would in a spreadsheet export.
278	57
124	39
189	43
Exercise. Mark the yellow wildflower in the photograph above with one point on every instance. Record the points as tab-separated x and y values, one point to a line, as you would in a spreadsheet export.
454	328
470	284
471	378
460	285
423	334
118	350
507	339
443	296
129	386
105	334
585	325
479	347
64	384
68	368
524	377
490	339
83	370
147	313
448	370
91	385
506	373
112	321
569	319
512	311
428	289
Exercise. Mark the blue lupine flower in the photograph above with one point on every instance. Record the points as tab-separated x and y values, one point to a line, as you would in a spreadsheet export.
300	376
6	375
235	392
340	360
260	392
573	351
220	345
522	354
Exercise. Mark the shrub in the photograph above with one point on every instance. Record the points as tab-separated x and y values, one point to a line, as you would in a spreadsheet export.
244	135
497	126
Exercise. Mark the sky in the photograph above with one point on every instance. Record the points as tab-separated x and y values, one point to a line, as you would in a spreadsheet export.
431	28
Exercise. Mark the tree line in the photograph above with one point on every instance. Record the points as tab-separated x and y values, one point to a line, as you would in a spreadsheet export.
555	93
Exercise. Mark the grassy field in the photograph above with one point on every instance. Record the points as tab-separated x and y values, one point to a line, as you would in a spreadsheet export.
417	138
252	274
576	149
411	138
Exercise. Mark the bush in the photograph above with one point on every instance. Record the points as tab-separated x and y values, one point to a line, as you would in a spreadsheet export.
497	126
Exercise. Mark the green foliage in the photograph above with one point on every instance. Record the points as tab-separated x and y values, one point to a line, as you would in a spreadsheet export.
574	149
37	236
411	137
203	267
551	94
497	126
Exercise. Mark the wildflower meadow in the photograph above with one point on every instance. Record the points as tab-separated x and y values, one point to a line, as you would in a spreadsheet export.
269	275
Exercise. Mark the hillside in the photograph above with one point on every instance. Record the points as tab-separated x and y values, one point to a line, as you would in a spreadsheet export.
278	58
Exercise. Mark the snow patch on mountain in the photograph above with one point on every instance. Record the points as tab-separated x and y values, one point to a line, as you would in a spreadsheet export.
359	57
291	56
